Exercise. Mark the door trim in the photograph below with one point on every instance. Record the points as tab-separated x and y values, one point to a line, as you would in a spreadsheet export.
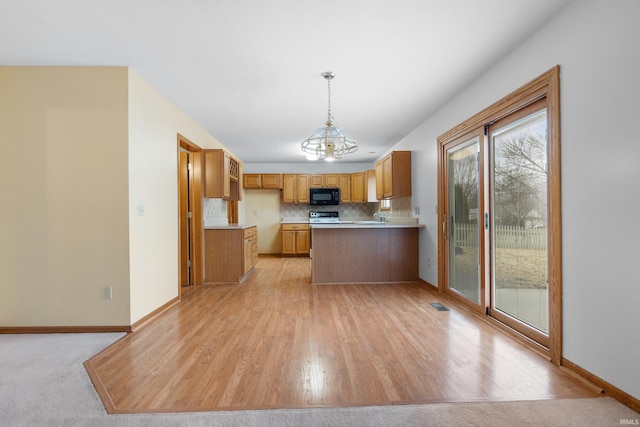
546	85
196	237
443	274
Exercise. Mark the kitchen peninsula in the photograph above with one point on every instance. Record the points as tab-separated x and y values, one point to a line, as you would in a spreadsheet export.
364	252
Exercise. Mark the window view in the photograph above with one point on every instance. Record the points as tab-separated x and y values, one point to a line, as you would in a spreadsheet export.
464	254
519	220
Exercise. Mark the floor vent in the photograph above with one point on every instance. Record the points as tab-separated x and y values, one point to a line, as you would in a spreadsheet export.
439	306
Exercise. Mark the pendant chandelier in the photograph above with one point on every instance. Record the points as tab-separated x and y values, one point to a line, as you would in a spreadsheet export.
330	142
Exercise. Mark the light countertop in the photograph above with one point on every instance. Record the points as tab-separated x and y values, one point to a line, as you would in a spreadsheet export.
365	224
228	226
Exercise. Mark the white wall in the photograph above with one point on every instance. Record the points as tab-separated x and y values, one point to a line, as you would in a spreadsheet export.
596	45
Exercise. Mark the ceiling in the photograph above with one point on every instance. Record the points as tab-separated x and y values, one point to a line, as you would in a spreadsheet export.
250	71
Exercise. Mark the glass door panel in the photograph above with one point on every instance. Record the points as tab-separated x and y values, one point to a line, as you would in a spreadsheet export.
464	219
519	221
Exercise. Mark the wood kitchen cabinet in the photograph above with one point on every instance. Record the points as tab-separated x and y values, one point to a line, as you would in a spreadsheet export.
359	188
324	181
264	181
252	180
393	175
250	248
345	187
295	239
230	253
295	188
221	175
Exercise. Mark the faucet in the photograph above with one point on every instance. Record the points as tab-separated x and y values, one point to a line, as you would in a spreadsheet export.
380	217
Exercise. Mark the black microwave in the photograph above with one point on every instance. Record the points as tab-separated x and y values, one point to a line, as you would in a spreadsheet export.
324	196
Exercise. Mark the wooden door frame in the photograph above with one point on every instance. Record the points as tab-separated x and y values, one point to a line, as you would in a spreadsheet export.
196	237
546	85
444	214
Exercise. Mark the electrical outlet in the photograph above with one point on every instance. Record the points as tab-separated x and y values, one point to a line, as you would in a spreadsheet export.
108	292
140	210
417	210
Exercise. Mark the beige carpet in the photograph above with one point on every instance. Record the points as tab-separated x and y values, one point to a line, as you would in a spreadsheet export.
43	383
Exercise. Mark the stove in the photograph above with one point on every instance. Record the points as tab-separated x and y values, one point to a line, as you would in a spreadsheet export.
320	217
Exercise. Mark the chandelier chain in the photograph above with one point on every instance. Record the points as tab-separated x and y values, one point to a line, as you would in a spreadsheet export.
329	116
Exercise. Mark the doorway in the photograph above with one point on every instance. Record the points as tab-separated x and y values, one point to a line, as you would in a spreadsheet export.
499	209
190	250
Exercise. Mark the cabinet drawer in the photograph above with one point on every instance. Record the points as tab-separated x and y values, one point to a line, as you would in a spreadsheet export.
249	232
294	227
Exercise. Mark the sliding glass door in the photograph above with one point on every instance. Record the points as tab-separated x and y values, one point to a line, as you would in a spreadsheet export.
519	279
464	224
499	208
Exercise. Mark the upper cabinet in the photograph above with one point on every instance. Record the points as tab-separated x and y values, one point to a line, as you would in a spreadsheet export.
295	188
302	188
393	175
324	181
391	179
363	187
265	180
221	175
344	180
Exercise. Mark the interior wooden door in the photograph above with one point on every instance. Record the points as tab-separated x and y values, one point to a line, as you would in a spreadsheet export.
190	215
183	176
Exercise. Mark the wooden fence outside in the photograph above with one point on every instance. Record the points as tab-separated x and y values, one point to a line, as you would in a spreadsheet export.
505	236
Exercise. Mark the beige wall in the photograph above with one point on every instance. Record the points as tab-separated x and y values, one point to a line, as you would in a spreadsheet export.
263	208
63	185
82	149
154	124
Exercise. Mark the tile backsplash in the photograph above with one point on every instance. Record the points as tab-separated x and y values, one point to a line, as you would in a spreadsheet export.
215	210
289	212
400	208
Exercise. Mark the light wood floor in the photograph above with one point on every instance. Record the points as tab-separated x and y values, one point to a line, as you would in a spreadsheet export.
276	341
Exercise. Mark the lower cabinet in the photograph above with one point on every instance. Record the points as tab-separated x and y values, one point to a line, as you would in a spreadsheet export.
229	253
250	248
295	239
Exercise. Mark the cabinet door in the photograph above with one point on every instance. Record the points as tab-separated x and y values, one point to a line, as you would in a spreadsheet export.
387	177
288	242
379	179
252	180
345	188
226	182
271	180
358	187
302	189
289	184
331	181
213	173
302	242
371	186
316	181
247	255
